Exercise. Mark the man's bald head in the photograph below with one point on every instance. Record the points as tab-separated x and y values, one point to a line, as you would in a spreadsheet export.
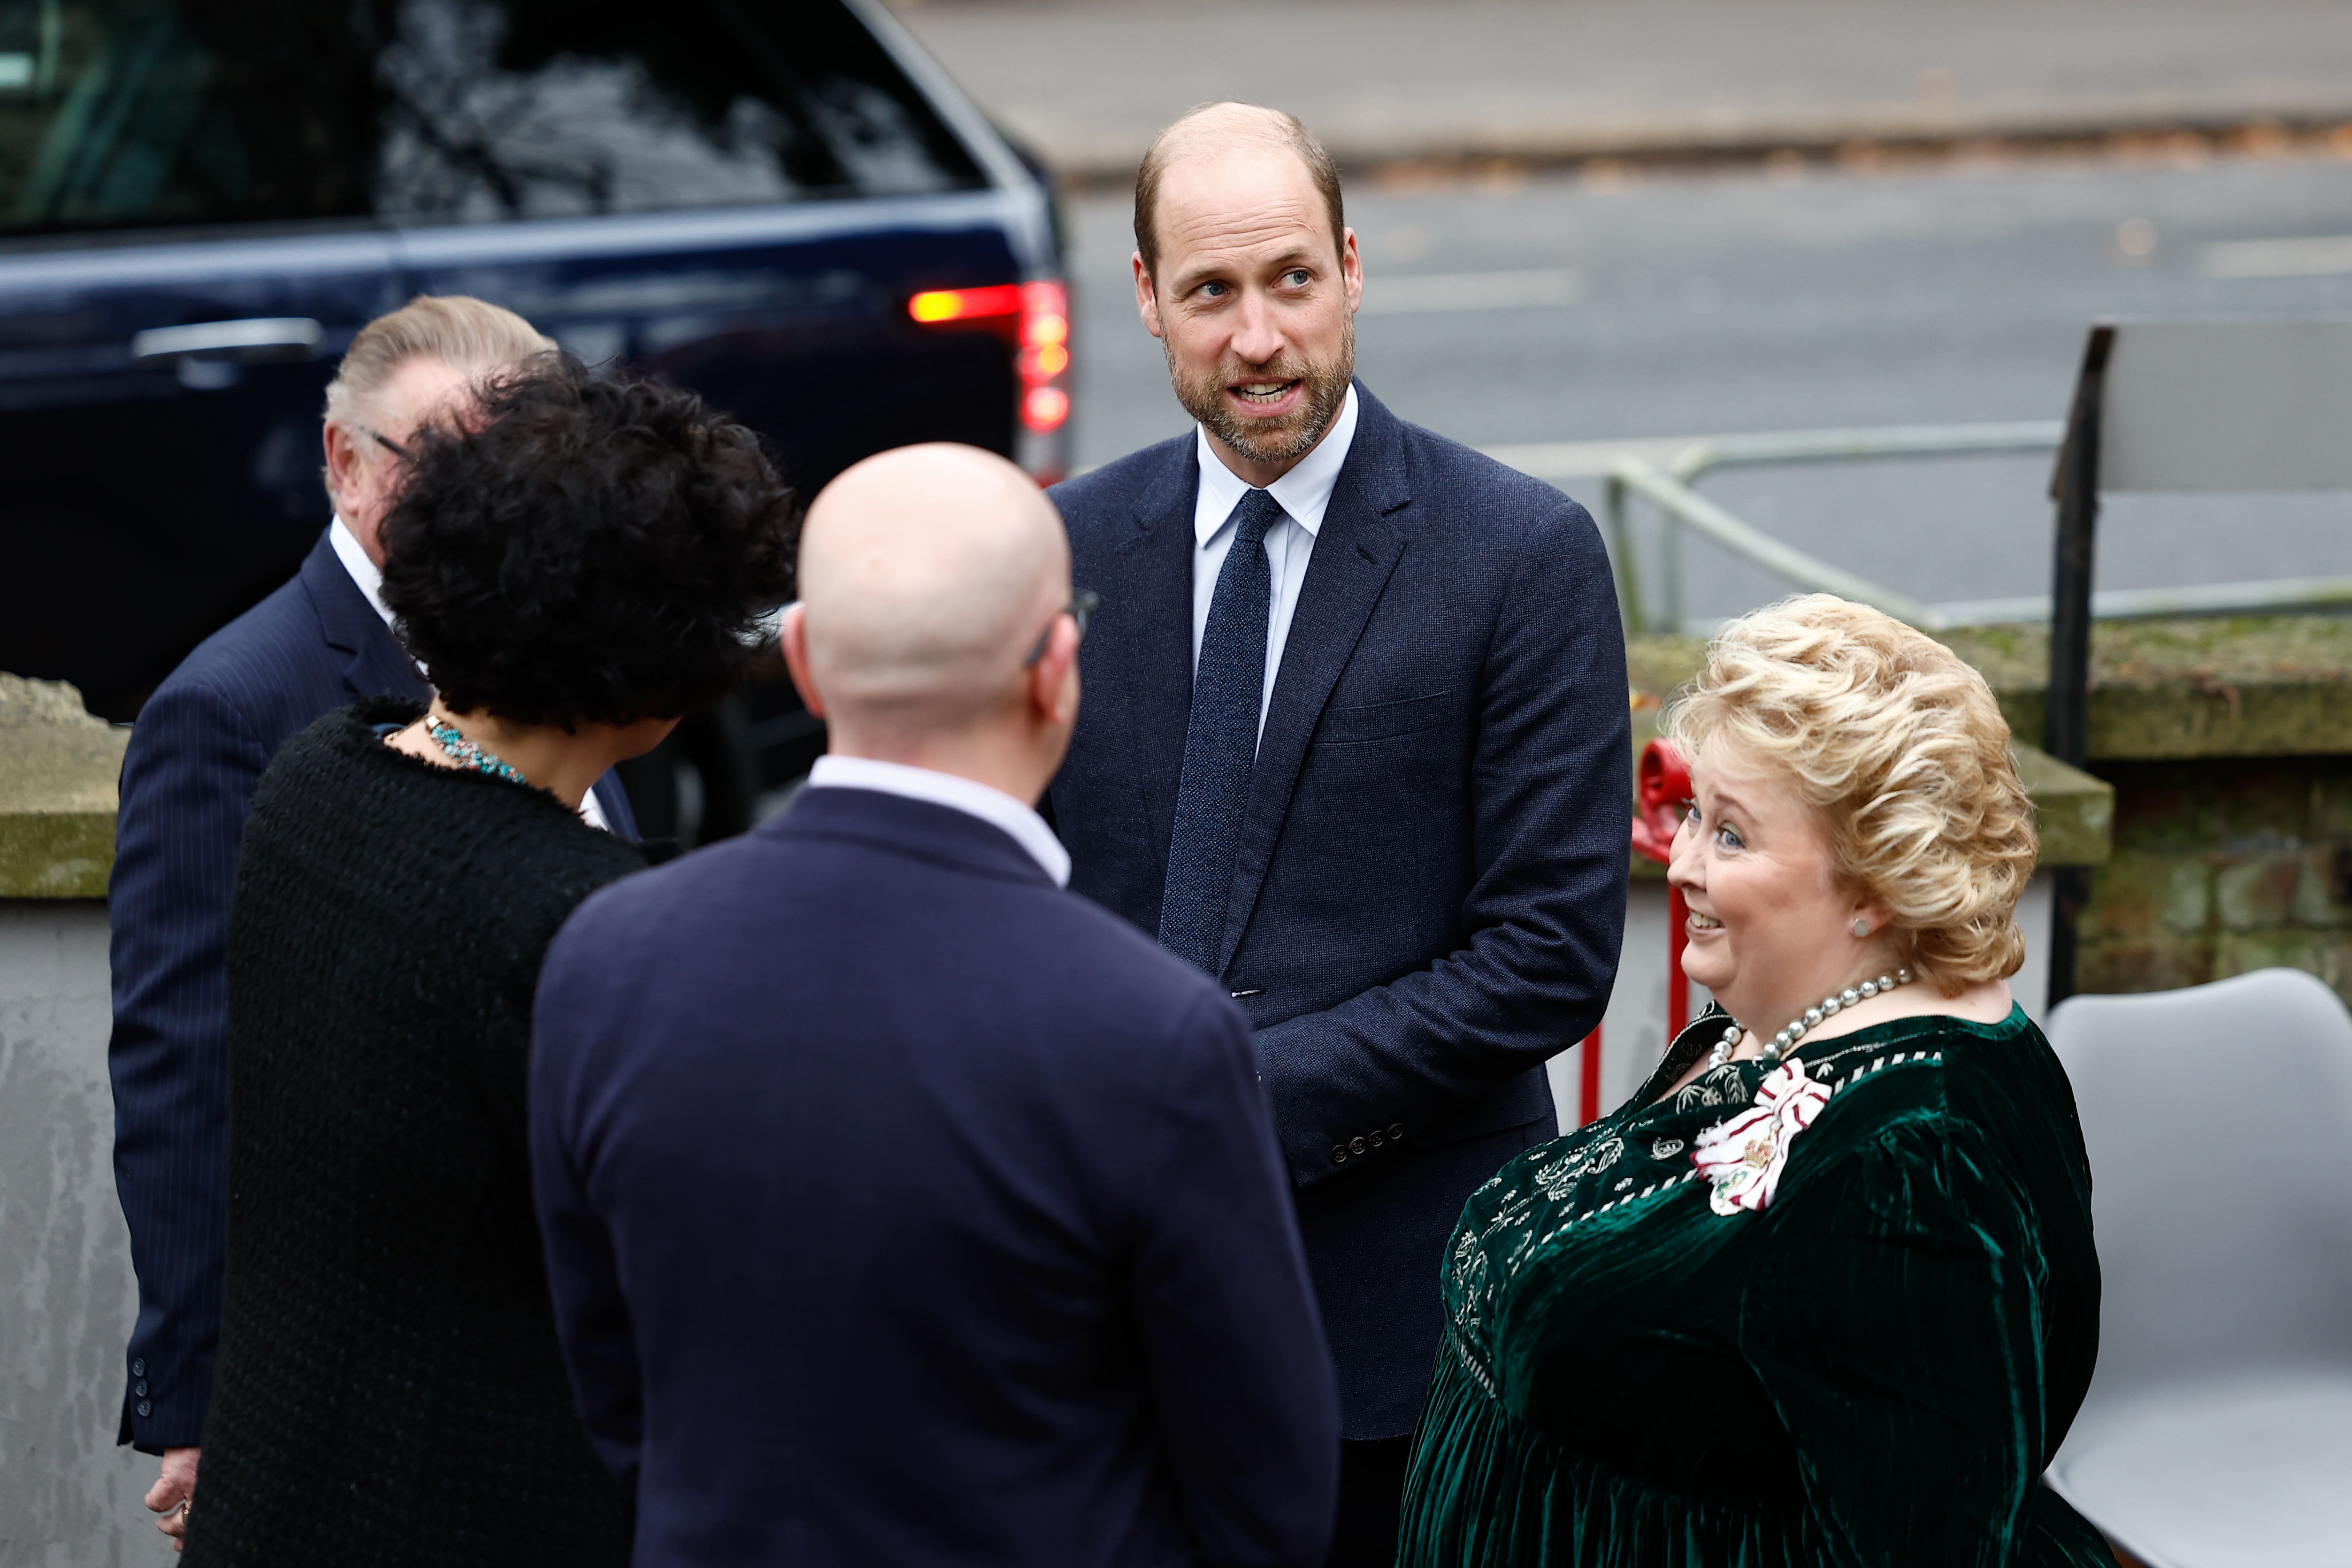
1213	131
926	574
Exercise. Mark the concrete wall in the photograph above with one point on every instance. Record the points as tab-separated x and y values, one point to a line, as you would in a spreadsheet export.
68	1495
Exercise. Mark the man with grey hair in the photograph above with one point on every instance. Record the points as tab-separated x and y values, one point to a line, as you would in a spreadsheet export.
900	1206
1355	744
319	642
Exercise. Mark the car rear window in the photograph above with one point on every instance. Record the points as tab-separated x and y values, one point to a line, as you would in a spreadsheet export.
136	113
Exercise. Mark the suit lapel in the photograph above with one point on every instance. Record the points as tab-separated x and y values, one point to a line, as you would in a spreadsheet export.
1355	554
1149	589
373	664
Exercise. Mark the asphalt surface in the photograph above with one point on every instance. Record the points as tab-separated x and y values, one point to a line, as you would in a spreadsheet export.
1562	309
1089	81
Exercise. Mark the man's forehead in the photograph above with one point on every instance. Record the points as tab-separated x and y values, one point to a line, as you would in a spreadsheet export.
1241	200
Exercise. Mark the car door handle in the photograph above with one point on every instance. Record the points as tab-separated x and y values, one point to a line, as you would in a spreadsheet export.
254	340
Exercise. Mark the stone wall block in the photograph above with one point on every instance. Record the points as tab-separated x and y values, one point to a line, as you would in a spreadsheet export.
2127	895
2188	896
2331	806
2156	964
2318	888
2319	953
2256	894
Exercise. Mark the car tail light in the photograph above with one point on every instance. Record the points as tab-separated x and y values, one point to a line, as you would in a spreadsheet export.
1044	356
938	306
1036	318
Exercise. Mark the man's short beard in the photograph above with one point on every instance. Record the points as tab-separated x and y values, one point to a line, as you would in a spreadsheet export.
1261	441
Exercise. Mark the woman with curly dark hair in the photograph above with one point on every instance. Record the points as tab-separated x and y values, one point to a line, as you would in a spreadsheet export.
578	565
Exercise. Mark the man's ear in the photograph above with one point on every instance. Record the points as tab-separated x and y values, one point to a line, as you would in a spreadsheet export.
343	459
791	635
1053	679
1351	270
1147	295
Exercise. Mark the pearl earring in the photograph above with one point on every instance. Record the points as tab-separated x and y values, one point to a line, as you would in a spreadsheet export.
1860	926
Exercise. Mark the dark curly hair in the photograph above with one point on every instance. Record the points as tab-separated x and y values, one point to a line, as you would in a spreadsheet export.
588	550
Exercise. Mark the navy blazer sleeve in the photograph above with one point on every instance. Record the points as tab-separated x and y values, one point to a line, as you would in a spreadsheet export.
1220	1280
188	778
584	1275
1550	777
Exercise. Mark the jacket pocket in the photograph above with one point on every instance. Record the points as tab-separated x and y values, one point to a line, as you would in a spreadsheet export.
1383	721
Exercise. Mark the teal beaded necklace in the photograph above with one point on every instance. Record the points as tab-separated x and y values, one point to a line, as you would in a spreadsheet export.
465	753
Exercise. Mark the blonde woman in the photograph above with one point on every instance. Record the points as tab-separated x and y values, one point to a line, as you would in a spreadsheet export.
1823	1291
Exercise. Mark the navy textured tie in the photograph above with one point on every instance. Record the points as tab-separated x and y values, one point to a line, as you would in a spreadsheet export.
1220	741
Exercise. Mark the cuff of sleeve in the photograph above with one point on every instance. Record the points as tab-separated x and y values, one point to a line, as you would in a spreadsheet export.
152	1425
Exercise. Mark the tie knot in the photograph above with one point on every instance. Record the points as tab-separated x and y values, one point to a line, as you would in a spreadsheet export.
1257	512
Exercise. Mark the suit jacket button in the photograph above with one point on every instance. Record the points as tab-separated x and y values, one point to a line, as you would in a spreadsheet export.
145	1408
139	1369
1396	1130
1377	1139
1339	1154
140	1386
1355	1146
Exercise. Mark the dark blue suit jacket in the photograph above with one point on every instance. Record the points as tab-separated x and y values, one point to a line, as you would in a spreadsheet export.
901	1207
1430	885
198	750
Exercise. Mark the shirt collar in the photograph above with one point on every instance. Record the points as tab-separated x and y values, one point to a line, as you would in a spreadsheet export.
969	796
1304	492
364	572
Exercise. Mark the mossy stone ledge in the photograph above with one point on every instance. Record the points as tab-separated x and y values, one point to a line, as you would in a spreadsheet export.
59	768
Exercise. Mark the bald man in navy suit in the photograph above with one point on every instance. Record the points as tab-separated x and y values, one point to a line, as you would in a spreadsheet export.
900	1206
1355	744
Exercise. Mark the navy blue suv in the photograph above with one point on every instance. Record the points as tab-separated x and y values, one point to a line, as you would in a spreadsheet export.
784	204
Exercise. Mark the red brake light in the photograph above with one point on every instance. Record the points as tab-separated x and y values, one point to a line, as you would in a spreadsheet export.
1036	318
1044	355
936	306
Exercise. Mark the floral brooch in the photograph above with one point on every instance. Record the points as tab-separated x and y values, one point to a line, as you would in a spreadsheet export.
1743	1157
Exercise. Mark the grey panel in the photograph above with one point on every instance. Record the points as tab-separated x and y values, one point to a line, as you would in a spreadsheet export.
2229	406
2219	1424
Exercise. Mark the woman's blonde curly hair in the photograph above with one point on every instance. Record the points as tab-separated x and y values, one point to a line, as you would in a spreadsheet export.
1899	745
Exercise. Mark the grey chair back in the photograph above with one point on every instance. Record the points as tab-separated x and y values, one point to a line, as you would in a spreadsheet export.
2227	406
2218	1431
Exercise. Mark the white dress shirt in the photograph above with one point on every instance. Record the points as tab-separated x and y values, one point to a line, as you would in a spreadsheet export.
970	796
370	578
1305	494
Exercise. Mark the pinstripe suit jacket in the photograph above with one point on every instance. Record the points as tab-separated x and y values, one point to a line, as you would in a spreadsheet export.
198	750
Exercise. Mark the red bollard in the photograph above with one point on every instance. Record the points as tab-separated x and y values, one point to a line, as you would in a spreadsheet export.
1588	1080
1664	787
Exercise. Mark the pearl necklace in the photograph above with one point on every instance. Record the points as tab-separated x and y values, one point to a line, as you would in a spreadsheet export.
1828	1007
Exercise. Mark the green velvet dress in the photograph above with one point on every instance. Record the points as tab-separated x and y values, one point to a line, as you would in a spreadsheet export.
1873	1368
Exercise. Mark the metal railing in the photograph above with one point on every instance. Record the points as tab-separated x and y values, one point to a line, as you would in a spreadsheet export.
1664	472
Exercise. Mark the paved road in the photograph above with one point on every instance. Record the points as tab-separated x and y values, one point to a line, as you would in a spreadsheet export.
1556	310
1089	81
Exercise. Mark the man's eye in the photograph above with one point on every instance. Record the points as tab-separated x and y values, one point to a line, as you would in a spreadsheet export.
1212	290
1298	277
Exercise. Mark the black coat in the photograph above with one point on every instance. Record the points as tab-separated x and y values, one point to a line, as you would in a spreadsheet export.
199	749
1430	886
388	1388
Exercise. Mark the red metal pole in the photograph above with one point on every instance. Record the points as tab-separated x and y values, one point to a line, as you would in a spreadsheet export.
1677	990
1588	1085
